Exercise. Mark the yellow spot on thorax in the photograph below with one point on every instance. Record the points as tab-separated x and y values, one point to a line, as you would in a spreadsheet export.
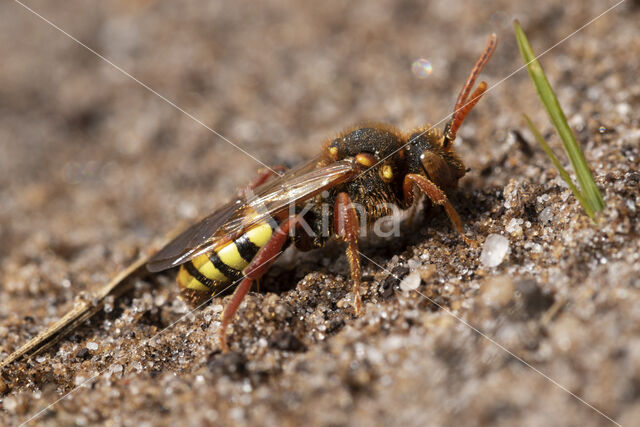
387	172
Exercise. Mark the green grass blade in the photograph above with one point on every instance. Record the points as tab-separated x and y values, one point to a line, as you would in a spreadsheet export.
591	193
563	173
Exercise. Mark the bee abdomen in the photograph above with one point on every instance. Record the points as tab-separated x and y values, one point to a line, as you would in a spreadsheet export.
207	273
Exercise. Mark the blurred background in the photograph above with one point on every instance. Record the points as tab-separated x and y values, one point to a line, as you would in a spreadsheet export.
94	167
85	149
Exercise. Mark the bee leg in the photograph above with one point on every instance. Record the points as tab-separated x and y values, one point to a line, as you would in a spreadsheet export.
347	227
254	271
412	214
264	175
437	196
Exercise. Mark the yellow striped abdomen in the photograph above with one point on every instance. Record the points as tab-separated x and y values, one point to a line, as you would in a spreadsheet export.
204	274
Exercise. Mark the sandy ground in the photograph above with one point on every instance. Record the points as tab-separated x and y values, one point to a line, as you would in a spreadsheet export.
95	169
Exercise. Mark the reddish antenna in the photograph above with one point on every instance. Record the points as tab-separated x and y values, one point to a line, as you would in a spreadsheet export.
464	105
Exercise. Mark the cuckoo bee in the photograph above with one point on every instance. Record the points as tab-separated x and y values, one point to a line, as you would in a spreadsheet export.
366	166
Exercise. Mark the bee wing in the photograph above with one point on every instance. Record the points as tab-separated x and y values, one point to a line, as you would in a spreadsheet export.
266	202
176	252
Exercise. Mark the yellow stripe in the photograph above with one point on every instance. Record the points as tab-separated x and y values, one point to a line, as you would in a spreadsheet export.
207	269
229	254
260	235
185	280
231	257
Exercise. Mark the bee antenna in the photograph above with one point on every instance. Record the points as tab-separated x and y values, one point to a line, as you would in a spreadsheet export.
464	105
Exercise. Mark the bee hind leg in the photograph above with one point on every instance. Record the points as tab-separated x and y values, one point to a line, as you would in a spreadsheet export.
254	271
347	227
263	176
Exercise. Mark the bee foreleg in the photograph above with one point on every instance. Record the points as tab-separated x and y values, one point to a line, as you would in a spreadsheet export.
437	196
347	227
254	271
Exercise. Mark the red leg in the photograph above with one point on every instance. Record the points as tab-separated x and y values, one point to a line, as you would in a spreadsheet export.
263	176
347	226
437	196
258	266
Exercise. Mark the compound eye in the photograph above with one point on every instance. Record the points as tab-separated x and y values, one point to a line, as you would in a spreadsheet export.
365	159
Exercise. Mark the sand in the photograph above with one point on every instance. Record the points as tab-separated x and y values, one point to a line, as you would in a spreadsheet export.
95	169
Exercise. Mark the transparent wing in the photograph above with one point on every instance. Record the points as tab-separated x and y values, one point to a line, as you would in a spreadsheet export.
266	203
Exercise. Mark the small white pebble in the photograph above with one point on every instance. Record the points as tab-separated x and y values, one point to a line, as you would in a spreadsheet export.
413	264
160	300
411	282
543	199
92	346
546	215
514	227
494	250
116	368
179	306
